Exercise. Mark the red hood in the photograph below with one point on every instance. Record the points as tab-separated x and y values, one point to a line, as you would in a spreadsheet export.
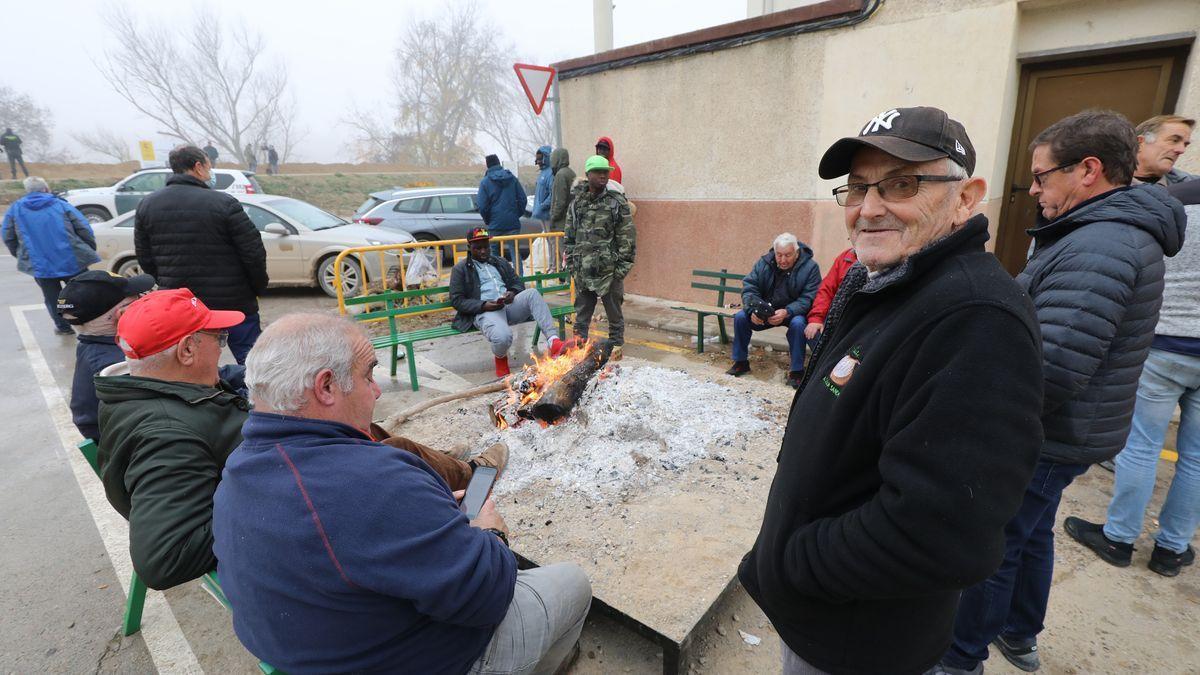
613	146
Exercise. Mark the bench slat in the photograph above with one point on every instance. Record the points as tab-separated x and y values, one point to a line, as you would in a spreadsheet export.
707	309
718	275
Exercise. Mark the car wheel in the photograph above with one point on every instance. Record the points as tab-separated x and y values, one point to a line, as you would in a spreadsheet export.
129	268
352	277
95	214
447	252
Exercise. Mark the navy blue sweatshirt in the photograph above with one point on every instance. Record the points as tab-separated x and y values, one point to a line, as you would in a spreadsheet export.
93	354
340	554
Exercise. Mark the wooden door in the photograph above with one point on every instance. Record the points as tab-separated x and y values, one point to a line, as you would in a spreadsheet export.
1137	87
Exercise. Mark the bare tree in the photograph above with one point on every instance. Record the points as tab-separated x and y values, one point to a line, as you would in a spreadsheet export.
29	120
510	121
220	87
105	142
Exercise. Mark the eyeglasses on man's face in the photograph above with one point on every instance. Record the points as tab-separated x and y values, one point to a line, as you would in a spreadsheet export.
894	189
222	336
1040	177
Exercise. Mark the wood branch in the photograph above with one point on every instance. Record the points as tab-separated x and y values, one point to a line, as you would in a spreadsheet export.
558	399
391	424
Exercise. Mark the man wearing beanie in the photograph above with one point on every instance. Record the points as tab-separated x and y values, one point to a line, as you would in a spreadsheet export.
915	430
501	202
94	301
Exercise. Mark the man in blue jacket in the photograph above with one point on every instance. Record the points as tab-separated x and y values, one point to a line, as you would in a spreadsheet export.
501	202
342	554
779	291
51	241
541	196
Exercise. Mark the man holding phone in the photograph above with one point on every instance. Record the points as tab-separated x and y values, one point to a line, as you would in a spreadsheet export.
489	295
362	545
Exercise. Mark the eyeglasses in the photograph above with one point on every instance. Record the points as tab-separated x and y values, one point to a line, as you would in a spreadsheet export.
1040	176
894	189
221	335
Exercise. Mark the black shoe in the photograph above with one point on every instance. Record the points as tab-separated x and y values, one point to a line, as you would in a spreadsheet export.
1021	653
943	669
1168	563
794	378
1092	536
739	368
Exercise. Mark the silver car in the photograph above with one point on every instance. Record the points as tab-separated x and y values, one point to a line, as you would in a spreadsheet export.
430	214
302	242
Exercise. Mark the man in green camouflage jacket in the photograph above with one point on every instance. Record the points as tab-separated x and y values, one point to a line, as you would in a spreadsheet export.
600	241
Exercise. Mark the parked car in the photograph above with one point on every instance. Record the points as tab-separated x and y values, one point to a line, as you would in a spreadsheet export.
430	214
100	204
302	242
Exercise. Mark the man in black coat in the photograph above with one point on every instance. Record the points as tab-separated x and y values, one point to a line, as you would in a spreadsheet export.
1096	279
914	432
188	235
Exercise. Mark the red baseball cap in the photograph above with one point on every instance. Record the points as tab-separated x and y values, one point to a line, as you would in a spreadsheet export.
159	320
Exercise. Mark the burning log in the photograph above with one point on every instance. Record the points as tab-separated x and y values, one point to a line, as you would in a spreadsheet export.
560	396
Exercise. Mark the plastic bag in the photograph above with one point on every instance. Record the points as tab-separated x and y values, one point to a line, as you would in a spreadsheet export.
539	261
420	270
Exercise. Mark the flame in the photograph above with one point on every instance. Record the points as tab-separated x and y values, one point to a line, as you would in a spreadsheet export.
528	385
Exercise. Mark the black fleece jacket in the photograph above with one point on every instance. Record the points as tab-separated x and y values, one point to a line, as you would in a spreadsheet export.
908	448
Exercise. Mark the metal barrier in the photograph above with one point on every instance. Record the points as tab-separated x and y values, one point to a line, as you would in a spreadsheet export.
442	254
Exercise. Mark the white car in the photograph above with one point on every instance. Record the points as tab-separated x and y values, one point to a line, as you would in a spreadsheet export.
102	203
302	242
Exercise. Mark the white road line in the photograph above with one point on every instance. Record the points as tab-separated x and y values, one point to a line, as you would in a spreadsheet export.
164	639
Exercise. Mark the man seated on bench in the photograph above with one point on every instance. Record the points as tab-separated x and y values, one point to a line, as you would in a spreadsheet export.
778	292
342	554
167	428
489	295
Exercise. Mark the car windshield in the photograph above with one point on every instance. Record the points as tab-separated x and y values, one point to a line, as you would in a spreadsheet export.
367	206
306	214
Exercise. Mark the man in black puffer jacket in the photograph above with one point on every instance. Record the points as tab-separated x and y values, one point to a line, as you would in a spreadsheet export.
188	235
1096	280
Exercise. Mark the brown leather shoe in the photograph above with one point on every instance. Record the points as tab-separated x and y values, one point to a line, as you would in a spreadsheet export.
495	456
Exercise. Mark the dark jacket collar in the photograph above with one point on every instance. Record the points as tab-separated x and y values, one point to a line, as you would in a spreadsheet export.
1146	207
186	179
271	427
97	339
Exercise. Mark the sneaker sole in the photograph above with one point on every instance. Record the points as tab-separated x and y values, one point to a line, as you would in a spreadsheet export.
1015	659
1101	553
1164	571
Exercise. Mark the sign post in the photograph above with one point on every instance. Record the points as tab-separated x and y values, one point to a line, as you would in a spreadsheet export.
536	81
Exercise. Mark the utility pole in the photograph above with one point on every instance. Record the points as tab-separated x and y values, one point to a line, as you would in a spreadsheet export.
602	24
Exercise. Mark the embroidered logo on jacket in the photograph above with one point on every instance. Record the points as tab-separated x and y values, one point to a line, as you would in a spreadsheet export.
843	370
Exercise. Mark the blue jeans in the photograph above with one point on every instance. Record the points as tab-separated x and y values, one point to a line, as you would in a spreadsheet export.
1168	379
742	327
1013	600
243	336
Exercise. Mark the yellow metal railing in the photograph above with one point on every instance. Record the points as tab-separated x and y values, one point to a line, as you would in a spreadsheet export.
454	249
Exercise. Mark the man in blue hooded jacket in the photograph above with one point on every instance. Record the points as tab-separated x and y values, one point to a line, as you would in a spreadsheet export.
51	241
501	202
779	291
541	195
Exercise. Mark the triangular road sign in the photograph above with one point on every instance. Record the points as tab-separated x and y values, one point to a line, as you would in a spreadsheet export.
535	80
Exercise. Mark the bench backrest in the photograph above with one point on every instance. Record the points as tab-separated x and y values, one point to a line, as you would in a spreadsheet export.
724	283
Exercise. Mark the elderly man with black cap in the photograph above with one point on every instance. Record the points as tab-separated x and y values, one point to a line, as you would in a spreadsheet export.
915	430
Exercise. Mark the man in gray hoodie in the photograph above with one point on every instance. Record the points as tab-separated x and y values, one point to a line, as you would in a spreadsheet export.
560	188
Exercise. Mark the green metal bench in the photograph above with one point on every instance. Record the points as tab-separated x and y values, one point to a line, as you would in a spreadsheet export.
719	310
401	303
132	622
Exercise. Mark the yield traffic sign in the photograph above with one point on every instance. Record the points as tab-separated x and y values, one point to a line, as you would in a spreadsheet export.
535	80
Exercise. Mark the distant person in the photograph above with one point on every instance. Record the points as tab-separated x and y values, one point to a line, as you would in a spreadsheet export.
779	291
273	160
488	295
341	553
1162	140
211	152
11	143
52	242
251	158
501	202
606	149
188	235
1170	380
827	291
600	244
560	188
94	301
541	194
1096	278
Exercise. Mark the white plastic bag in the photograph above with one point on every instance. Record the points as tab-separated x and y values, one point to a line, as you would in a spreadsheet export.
420	270
539	257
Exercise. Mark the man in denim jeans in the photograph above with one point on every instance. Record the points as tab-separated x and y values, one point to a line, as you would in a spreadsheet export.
1171	378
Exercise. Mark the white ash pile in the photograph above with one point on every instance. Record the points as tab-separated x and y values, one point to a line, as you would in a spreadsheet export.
632	429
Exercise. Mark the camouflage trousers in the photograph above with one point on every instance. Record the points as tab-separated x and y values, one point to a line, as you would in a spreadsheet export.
585	307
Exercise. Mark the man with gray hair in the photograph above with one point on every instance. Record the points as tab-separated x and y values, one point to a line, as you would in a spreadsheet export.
1162	140
51	241
778	292
363	548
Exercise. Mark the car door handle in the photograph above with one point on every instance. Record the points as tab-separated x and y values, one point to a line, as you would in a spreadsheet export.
439	217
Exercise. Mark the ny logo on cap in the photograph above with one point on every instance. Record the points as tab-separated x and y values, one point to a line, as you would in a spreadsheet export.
882	120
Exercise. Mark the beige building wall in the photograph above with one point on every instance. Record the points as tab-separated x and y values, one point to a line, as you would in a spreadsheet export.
720	150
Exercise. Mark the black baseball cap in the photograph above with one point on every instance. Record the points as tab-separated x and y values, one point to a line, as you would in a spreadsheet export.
918	134
94	292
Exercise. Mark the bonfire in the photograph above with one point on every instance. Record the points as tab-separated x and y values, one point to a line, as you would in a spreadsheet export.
547	389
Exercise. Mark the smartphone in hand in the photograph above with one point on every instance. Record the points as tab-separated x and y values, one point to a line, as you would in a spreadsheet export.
477	491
